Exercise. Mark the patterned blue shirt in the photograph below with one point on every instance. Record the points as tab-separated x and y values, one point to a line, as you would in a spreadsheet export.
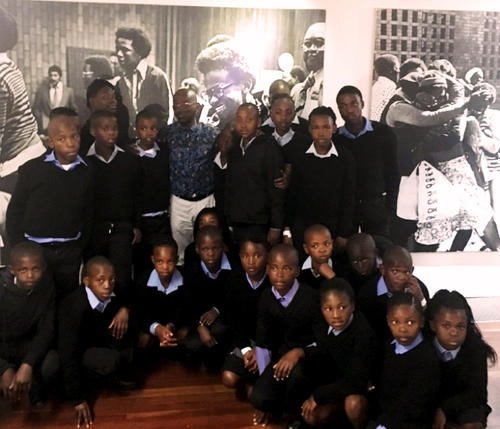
192	151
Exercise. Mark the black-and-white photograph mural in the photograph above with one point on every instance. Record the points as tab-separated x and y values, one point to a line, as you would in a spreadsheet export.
435	80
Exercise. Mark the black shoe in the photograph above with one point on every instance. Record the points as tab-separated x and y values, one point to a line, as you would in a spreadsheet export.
124	382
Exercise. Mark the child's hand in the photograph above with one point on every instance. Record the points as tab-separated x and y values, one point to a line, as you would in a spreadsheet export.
21	382
119	324
325	270
137	235
413	287
6	381
273	236
250	361
439	419
308	408
209	317
206	337
83	415
283	181
165	335
260	418
284	366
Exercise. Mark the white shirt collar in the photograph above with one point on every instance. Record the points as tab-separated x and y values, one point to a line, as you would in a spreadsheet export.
92	151
4	57
332	151
175	282
142	68
150	153
94	301
285	138
224	265
245	148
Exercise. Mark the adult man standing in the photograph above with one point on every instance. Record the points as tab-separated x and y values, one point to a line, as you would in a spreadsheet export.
50	94
308	95
141	84
387	69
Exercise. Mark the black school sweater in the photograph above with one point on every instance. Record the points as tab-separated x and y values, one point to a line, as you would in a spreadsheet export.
346	361
51	202
375	307
281	329
118	187
240	309
250	195
465	379
322	191
408	388
376	165
27	321
295	147
80	327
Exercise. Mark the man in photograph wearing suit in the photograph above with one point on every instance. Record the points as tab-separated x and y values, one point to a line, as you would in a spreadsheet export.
50	94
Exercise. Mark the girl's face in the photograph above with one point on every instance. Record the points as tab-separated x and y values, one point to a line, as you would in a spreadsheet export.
337	308
405	323
450	327
209	219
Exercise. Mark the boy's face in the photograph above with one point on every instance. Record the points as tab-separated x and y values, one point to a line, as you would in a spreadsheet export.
185	107
405	323
64	138
322	129
282	114
350	108
164	260
362	258
319	246
247	122
282	270
28	271
396	276
253	259
105	99
127	56
147	131
337	308
105	132
450	327
101	281
210	250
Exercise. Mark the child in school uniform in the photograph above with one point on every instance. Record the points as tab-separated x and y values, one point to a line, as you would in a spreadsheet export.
53	201
285	319
408	386
361	254
254	207
94	335
118	199
318	266
463	355
206	288
342	362
154	161
395	276
161	295
27	308
240	313
322	184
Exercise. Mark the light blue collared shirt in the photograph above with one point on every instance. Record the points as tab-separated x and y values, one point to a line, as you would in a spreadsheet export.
96	303
224	265
399	349
256	285
345	132
382	287
336	332
307	265
445	355
175	282
150	153
285	138
92	151
51	157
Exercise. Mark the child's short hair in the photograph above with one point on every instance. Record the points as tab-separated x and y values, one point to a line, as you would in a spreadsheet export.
336	285
147	114
286	249
153	110
140	40
278	97
323	111
164	240
397	255
256	241
315	228
92	262
209	231
250	106
95	87
62	111
349	89
404	298
100	65
26	249
360	239
98	115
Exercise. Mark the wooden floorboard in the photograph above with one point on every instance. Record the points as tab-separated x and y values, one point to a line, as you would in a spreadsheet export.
173	396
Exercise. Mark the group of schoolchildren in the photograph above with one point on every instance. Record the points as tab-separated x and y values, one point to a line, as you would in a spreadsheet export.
331	330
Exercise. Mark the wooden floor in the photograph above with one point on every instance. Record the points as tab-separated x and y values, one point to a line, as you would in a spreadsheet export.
176	397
